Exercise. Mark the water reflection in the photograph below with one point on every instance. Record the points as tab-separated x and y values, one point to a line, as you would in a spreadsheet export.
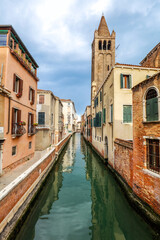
69	157
81	200
112	216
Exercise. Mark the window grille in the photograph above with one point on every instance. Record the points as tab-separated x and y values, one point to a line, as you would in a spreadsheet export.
153	155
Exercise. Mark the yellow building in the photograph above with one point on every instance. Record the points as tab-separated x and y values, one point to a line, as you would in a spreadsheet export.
45	119
112	110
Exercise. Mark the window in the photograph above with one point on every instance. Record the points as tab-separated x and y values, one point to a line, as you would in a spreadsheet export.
15	44
3	39
11	43
109	45
104	45
41	118
153	155
152	105
14	150
108	67
30	123
97	119
100	45
31	95
30	145
111	113
17	85
16	118
104	115
41	99
125	81
127	113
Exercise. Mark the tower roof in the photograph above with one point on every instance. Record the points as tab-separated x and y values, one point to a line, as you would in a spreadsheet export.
103	28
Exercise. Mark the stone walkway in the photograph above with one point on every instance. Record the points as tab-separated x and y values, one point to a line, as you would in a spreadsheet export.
12	174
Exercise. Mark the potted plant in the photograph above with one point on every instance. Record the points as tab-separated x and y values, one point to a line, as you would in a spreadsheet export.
19	95
35	124
22	123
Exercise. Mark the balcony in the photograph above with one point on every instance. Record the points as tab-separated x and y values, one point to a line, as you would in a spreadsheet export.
17	130
24	63
32	130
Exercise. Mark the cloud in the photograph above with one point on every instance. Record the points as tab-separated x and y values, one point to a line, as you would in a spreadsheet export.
59	35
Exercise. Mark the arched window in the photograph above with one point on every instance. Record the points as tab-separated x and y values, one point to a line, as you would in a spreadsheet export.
100	45
109	45
104	45
152	105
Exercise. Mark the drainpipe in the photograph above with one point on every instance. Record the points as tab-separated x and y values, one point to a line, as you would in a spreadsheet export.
1	74
9	106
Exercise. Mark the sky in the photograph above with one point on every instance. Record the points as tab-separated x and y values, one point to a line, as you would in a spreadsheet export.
59	34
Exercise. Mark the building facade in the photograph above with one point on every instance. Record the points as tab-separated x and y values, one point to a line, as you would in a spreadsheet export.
112	111
45	136
18	91
70	117
146	141
59	120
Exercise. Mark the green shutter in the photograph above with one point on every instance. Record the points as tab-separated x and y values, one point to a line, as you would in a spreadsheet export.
3	31
127	114
130	81
104	115
152	109
112	113
121	80
124	114
100	119
97	101
155	109
148	108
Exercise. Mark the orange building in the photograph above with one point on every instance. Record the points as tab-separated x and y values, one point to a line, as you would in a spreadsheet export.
18	90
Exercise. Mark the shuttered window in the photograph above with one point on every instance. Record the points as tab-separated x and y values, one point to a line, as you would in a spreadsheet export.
31	95
41	118
153	155
151	105
98	119
16	119
104	115
41	99
30	122
125	81
17	85
127	113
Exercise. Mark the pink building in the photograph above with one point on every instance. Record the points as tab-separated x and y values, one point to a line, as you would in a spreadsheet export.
18	90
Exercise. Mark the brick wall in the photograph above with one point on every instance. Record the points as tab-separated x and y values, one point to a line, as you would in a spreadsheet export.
146	184
123	159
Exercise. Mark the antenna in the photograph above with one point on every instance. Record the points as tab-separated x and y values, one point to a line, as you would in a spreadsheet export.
117	49
117	46
1	74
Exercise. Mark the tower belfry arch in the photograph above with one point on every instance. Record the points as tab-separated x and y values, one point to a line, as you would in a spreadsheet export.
103	55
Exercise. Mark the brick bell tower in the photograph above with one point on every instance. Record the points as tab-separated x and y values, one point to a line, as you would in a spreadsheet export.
103	55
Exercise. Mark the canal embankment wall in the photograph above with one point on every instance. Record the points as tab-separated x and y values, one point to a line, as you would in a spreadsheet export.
123	171
16	198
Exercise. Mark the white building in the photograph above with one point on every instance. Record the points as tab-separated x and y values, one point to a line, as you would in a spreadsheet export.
70	116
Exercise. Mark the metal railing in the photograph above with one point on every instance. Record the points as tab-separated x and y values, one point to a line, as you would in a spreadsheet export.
32	130
18	130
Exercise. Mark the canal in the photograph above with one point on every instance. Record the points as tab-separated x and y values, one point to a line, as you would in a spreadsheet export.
81	200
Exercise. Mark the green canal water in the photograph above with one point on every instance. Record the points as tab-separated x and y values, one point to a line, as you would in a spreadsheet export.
81	200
